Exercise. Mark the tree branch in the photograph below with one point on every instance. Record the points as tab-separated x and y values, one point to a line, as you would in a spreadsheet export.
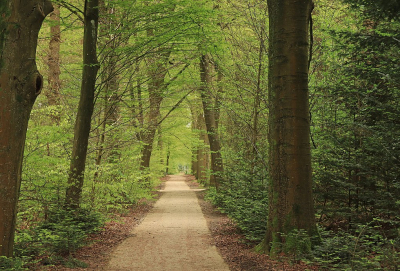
175	106
75	10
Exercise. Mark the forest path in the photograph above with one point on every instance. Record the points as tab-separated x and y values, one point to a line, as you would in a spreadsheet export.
173	236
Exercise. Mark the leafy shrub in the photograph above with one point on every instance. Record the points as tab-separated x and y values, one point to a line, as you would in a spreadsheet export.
61	234
298	244
68	262
244	198
12	264
367	249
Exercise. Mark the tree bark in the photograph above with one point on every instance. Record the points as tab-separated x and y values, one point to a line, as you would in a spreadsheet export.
20	84
199	151
167	162
203	153
257	102
290	188
157	72
211	123
86	104
160	144
53	92
147	136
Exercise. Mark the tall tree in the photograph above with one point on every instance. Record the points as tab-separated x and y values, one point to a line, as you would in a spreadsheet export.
211	119
290	184
199	152
108	43
53	92
20	84
156	87
86	104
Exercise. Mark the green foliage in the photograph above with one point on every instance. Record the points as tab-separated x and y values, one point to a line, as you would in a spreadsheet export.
12	264
68	262
297	244
355	124
244	198
62	233
368	248
355	98
355	130
116	186
378	8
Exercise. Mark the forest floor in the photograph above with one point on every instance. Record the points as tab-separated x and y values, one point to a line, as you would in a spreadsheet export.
178	232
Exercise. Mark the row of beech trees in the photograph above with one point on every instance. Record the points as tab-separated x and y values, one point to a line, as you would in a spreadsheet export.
109	55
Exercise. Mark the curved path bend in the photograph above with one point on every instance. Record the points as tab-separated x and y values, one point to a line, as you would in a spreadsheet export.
173	236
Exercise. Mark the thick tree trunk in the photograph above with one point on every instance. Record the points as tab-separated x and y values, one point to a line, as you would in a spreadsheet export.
211	123
20	84
290	188
86	104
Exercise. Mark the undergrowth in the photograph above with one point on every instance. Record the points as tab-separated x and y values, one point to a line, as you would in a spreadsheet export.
373	245
369	247
54	240
243	198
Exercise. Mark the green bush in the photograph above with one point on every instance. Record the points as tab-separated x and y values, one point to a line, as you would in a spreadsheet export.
12	264
368	248
244	198
61	234
298	244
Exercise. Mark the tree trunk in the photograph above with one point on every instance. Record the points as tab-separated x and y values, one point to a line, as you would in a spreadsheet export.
199	152
53	92
210	119
203	153
195	145
20	84
157	72
290	188
86	104
147	137
194	162
167	162
160	144
257	102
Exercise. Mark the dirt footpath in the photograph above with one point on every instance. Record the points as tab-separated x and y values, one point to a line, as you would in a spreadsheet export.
173	236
